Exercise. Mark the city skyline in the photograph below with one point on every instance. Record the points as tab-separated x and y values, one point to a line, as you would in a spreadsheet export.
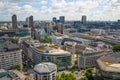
102	10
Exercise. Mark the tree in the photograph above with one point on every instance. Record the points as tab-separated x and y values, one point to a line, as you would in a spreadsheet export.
72	71
16	67
116	48
12	39
85	78
46	40
78	69
89	74
58	68
64	76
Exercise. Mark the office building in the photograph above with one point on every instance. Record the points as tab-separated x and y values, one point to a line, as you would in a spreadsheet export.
14	22
58	37
48	53
31	21
10	54
27	21
40	33
62	19
54	19
51	53
21	32
60	27
78	40
25	45
88	56
84	19
45	71
109	66
9	32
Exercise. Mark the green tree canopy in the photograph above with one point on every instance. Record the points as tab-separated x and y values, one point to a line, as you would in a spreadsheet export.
89	74
46	40
16	67
12	39
64	76
116	48
85	78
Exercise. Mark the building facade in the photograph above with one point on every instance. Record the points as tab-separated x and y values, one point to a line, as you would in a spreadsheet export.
45	71
60	57
14	21
54	19
10	55
31	21
62	19
88	58
84	19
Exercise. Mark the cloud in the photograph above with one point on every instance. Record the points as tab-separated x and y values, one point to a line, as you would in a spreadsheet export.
43	2
72	9
1	5
14	1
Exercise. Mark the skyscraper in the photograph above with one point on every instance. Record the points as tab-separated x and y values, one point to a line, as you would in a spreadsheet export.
54	19
60	28
27	21
14	22
31	21
62	19
83	19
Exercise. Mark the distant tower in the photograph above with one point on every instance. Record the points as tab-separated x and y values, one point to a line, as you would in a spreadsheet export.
119	21
31	21
54	19
27	21
60	28
14	22
62	19
84	19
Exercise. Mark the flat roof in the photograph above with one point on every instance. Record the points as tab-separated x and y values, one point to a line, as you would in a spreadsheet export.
115	65
80	39
109	68
6	78
52	49
6	46
110	62
19	74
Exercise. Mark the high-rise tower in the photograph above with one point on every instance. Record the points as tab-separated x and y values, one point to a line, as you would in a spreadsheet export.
31	21
14	22
54	19
83	19
62	19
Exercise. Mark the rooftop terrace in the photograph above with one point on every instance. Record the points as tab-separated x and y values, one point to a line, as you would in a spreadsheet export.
52	49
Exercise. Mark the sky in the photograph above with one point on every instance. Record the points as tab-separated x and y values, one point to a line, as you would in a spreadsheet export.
107	10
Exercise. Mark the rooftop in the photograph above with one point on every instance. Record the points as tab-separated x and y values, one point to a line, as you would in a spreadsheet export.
110	62
81	39
6	46
52	49
45	67
11	75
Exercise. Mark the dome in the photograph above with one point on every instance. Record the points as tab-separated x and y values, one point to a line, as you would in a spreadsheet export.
45	67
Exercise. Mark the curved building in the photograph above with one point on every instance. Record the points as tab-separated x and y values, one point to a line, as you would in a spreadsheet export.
51	53
109	66
45	71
